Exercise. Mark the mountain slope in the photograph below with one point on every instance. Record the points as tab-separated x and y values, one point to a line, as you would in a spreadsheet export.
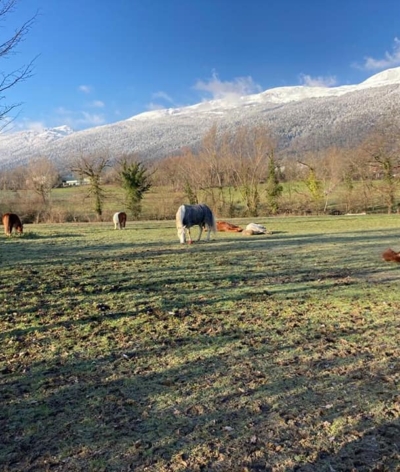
311	117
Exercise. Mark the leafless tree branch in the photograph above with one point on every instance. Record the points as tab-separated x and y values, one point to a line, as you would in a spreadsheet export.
7	48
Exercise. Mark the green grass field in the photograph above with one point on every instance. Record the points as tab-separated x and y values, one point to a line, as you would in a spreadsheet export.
125	351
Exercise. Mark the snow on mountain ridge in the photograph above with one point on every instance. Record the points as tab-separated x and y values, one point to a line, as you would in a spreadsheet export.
277	95
313	117
386	77
55	133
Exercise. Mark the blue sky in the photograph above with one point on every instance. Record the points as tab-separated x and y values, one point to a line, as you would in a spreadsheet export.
102	61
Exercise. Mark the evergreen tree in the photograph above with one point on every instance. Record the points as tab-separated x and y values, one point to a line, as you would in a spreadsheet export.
135	182
273	187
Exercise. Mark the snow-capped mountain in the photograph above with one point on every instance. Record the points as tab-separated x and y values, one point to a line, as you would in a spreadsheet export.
309	117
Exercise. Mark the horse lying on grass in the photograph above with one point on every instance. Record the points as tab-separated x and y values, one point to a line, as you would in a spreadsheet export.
228	227
119	220
10	221
391	256
254	228
191	215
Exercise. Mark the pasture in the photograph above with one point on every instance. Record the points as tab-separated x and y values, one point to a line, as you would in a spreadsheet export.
126	351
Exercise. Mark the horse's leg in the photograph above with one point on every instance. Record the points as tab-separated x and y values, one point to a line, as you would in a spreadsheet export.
208	232
201	230
190	236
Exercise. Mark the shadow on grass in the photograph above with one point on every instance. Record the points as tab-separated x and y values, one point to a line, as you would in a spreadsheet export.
378	449
220	245
216	366
209	401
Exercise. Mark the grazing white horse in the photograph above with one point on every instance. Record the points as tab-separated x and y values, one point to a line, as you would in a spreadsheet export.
119	220
191	215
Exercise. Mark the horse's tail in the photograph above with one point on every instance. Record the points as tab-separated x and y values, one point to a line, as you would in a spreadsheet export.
213	225
180	214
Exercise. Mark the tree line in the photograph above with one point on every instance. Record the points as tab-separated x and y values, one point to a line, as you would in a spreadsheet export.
239	173
41	176
244	172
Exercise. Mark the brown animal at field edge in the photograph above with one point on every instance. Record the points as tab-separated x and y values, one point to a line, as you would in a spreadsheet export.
391	256
10	221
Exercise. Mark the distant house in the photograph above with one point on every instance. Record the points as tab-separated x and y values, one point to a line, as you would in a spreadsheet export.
71	181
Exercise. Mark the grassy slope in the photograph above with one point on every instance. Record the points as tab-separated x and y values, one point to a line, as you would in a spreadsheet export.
122	350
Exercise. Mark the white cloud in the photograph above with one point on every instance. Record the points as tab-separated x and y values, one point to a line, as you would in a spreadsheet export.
234	89
320	81
97	104
389	60
163	96
154	106
63	111
23	125
85	88
91	119
158	106
80	119
35	125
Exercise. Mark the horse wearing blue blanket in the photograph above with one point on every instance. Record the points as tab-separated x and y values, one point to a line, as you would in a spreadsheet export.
191	215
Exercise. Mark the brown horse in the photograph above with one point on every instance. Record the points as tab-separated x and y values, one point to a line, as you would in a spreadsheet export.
10	221
390	255
119	220
229	227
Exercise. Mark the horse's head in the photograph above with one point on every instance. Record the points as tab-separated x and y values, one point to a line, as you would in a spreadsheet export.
182	234
20	228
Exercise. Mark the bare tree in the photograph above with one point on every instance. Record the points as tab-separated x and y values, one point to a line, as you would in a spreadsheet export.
213	157
92	168
42	177
250	148
7	48
382	147
190	174
330	172
358	180
13	179
312	180
165	173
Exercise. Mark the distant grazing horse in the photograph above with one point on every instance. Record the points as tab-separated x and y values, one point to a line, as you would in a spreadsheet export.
119	220
191	215
10	221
